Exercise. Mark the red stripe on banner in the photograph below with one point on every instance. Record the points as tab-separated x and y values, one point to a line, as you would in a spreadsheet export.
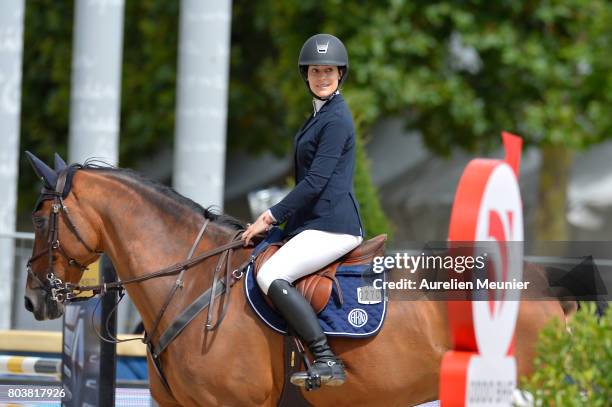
453	378
463	222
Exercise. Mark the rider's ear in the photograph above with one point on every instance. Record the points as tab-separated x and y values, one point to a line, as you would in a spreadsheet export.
42	170
60	164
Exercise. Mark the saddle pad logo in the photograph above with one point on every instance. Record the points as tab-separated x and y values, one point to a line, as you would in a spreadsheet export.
357	317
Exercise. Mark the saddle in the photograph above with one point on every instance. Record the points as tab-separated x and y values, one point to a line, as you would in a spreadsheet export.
317	287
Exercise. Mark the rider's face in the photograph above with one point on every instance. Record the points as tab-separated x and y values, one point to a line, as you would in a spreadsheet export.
323	79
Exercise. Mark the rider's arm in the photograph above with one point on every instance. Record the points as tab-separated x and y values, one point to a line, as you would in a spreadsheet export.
331	143
269	212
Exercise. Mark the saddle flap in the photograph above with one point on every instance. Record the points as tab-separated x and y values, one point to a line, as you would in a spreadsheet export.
317	287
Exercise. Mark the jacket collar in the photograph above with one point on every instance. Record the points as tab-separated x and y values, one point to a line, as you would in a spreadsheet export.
318	103
336	97
314	118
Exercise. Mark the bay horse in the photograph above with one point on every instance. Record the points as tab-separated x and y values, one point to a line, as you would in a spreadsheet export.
144	226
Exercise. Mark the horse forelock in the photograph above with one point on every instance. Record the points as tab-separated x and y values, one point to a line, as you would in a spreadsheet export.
162	196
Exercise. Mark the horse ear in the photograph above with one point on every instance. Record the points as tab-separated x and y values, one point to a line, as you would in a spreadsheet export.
60	164
42	170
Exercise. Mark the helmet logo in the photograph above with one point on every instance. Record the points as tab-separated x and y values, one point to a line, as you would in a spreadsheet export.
322	48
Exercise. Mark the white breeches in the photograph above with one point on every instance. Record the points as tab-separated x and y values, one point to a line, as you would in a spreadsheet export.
304	254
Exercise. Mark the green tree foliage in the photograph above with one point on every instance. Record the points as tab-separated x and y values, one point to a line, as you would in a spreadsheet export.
373	217
544	71
573	369
148	82
45	91
539	69
148	78
257	110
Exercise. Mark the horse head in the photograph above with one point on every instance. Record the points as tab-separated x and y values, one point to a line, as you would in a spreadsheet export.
65	241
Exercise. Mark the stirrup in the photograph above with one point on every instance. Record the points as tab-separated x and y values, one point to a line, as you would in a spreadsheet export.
312	380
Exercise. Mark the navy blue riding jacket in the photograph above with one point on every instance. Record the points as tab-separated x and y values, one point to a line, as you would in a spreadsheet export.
324	162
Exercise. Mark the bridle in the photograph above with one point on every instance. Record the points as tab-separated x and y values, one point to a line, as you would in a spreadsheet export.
224	276
60	291
65	292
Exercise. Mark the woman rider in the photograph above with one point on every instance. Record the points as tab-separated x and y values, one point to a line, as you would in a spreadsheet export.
321	212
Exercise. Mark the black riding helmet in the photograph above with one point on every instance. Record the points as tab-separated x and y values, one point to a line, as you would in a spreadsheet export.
323	49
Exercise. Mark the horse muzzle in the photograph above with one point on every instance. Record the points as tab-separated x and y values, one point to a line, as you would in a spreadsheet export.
39	302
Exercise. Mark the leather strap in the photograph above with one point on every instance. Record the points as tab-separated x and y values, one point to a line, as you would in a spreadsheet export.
186	317
173	269
178	283
228	283
157	365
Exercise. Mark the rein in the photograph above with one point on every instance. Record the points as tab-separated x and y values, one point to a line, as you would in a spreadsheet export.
231	277
64	292
68	292
168	271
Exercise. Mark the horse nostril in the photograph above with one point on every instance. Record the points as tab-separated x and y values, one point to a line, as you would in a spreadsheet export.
28	304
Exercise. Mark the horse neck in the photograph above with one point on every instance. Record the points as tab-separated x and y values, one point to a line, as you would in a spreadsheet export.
141	236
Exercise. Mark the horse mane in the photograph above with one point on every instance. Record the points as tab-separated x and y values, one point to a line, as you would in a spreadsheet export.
169	192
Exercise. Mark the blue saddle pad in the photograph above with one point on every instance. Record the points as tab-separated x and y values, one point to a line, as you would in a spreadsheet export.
361	315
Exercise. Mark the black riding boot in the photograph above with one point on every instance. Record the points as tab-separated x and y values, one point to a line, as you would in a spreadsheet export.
327	368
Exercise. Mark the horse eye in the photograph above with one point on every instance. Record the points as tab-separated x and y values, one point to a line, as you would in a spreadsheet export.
39	223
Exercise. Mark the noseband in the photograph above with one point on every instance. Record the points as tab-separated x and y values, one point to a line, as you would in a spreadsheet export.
59	290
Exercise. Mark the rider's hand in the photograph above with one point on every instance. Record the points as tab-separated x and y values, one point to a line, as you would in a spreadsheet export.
262	224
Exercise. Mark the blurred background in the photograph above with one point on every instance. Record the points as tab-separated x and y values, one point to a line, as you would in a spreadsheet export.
206	96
